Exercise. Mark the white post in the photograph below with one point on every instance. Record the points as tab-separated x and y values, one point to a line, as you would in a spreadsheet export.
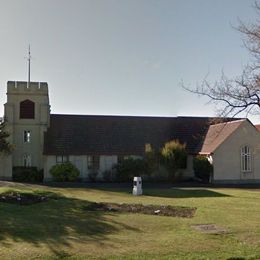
137	186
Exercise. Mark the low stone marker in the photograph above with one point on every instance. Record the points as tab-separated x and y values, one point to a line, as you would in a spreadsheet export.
137	186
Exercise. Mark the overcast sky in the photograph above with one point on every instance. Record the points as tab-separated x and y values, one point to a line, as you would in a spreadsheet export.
124	57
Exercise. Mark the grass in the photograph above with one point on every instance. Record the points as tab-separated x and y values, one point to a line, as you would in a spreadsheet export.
62	228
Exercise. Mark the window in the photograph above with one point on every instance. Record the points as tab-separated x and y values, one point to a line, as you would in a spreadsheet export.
27	136
27	160
62	158
93	162
120	158
27	109
148	148
246	159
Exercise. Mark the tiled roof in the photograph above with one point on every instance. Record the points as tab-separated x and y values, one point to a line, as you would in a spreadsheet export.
257	127
217	134
125	135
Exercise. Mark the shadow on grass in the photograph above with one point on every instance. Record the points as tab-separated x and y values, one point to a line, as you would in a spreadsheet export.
160	190
164	192
55	223
169	192
183	193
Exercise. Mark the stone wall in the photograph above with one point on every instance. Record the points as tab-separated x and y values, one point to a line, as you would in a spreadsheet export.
37	92
5	167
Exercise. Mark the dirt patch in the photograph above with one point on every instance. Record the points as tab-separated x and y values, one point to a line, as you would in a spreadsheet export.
22	198
171	211
210	228
7	184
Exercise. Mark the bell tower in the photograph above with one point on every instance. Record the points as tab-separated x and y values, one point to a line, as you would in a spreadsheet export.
27	112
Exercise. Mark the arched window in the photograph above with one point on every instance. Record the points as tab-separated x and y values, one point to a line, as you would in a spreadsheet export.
27	109
246	159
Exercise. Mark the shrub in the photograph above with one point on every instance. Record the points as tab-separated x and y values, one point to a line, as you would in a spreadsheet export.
93	176
129	168
161	174
202	168
27	174
64	172
5	146
109	175
174	156
152	161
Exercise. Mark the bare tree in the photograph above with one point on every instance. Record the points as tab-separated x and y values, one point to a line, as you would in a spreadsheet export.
240	94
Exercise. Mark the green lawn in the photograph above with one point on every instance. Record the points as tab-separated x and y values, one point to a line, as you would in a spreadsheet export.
62	228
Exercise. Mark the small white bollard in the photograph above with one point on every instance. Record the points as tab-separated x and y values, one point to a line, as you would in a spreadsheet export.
137	186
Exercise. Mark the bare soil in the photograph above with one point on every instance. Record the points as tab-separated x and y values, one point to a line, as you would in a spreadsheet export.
22	198
210	228
171	211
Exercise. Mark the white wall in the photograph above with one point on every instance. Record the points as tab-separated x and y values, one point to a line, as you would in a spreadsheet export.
80	161
106	162
5	167
188	172
48	162
227	158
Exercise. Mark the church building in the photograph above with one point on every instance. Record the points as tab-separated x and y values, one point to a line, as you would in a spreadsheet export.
96	142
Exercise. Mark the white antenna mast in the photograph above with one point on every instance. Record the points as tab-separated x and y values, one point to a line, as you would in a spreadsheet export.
29	67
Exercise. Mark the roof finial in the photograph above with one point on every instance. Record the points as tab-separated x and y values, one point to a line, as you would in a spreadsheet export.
29	67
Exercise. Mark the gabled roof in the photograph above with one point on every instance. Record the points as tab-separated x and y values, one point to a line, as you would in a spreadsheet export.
121	135
257	127
217	134
125	135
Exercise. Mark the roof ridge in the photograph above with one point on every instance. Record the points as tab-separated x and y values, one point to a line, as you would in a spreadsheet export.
218	133
229	122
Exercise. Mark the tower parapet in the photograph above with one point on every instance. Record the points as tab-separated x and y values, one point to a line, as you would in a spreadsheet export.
22	87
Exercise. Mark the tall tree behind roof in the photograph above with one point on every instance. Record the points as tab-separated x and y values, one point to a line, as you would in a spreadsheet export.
242	93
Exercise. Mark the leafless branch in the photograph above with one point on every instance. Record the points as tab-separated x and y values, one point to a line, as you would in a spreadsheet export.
240	94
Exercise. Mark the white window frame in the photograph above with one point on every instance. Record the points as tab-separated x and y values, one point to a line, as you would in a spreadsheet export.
62	158
246	159
90	162
27	136
27	160
93	162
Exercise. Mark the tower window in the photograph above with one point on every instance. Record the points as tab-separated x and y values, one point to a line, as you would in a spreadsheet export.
27	160
27	108
27	136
